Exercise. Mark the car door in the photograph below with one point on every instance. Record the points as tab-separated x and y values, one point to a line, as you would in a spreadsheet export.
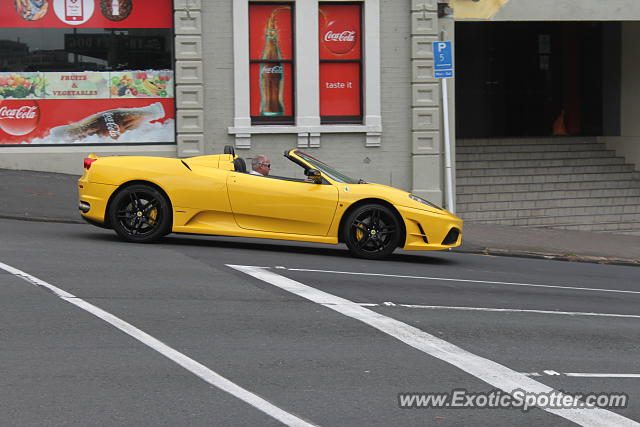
281	206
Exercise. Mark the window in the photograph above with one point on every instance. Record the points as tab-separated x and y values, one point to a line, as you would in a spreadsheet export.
271	59
340	62
86	72
327	87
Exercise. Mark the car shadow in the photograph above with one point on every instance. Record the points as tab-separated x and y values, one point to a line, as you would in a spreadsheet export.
281	246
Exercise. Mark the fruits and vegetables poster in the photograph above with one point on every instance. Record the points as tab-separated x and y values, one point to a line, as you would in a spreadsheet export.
87	85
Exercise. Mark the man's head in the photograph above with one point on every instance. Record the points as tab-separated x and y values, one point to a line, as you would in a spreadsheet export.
261	164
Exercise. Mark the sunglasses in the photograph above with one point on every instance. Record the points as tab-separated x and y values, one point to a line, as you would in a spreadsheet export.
266	164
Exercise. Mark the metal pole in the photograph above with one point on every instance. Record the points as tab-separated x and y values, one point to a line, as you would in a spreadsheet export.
450	191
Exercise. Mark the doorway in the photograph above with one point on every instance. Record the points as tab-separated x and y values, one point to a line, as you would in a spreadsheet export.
536	79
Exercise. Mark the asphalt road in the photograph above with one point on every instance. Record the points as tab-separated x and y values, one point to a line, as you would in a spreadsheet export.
95	331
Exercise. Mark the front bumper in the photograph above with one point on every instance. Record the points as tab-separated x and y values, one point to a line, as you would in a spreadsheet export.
427	231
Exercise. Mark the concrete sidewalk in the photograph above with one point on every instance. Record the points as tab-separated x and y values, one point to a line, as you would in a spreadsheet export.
52	197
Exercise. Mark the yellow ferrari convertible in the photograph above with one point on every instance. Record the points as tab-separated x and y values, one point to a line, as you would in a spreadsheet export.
145	198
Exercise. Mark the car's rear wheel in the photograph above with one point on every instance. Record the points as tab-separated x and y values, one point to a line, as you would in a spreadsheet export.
140	213
372	231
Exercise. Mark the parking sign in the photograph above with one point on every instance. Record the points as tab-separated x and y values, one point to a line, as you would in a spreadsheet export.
442	59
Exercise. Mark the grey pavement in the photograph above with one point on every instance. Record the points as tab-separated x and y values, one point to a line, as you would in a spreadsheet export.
52	197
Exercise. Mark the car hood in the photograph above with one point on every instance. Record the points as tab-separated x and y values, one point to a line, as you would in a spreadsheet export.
392	195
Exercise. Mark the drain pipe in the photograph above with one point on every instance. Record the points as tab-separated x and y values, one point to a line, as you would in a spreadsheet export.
447	13
448	170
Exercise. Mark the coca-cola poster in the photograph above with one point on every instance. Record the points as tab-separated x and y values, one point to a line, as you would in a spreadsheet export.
89	121
86	13
339	27
264	18
340	89
340	60
271	55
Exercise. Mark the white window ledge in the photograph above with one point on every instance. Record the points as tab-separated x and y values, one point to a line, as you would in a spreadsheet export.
308	136
305	129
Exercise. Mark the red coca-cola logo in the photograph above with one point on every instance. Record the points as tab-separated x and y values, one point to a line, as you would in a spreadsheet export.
339	37
19	117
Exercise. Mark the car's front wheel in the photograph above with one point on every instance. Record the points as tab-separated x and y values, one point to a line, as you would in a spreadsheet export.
372	231
140	213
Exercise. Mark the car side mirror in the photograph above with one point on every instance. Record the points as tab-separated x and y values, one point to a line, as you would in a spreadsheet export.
314	175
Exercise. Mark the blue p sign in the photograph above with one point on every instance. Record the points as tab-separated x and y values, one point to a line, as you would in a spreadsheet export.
442	59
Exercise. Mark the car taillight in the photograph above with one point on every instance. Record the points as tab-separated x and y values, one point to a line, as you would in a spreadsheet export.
87	162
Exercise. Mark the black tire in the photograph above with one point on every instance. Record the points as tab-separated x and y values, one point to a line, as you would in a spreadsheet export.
372	231
140	214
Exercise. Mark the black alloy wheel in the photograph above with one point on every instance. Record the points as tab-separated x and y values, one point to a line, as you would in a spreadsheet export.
140	214
372	231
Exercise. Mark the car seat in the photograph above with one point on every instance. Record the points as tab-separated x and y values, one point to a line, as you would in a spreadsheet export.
239	165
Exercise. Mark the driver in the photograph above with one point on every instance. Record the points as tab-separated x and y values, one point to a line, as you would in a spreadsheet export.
260	165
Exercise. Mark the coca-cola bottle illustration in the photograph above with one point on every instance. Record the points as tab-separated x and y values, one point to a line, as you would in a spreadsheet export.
111	123
73	10
272	72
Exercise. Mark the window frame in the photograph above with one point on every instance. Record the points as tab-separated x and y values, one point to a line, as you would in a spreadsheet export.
284	119
307	114
344	119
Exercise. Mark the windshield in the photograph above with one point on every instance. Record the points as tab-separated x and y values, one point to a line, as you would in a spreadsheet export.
327	170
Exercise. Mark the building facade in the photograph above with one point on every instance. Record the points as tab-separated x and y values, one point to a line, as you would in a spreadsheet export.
352	83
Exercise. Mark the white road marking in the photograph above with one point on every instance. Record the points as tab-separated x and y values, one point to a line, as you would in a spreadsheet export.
189	364
502	310
594	375
581	374
487	370
448	279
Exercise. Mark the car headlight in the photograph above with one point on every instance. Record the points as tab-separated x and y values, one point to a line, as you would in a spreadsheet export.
424	202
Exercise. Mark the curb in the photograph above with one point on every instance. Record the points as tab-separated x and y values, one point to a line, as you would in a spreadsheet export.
551	256
42	219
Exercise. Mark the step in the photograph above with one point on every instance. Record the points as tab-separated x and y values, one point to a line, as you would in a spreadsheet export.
565	202
557	178
627	232
479	188
611	227
528	141
550	212
534	163
545	155
544	170
546	195
530	148
560	220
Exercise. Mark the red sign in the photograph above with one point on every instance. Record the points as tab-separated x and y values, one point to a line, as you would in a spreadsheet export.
271	50
55	121
262	103
340	89
340	36
270	22
340	39
86	13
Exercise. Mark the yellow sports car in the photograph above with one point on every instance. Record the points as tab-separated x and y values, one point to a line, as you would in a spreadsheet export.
145	198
